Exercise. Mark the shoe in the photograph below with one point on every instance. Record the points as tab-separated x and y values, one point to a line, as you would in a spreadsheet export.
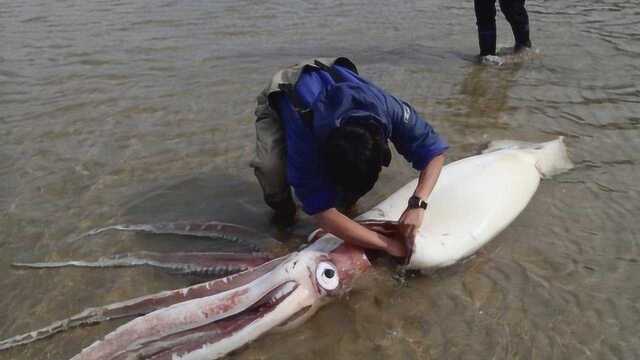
491	60
521	47
487	42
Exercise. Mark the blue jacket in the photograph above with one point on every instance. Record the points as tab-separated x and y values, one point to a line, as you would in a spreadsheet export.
332	104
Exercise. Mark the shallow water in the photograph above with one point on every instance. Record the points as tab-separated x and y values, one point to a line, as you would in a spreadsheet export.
132	111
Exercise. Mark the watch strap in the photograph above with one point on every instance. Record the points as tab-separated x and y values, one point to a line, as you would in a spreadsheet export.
417	203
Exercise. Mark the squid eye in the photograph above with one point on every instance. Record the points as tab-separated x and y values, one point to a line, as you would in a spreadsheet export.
327	276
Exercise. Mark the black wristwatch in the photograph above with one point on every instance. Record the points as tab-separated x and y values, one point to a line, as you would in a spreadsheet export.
417	203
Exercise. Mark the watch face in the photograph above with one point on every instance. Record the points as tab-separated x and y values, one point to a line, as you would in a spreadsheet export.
417	203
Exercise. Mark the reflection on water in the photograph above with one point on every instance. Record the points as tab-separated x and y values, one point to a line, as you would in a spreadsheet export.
132	111
486	89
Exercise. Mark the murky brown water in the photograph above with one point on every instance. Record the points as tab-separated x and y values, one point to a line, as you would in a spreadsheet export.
138	111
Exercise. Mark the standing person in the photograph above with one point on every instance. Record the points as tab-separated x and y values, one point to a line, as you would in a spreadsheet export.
517	17
323	130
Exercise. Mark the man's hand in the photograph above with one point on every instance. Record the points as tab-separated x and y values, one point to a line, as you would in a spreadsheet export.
394	248
333	221
414	218
426	182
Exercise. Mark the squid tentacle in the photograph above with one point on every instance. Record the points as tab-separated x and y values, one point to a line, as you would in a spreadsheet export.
236	233
141	305
196	263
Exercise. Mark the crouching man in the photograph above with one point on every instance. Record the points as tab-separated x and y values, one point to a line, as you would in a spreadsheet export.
323	130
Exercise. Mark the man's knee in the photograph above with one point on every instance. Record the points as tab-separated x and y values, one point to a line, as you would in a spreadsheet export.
271	174
279	201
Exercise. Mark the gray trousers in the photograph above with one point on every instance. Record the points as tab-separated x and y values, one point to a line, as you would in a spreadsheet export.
270	161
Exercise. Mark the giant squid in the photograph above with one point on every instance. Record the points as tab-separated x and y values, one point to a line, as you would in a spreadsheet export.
474	199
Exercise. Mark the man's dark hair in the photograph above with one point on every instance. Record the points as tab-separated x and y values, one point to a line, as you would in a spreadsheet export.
354	156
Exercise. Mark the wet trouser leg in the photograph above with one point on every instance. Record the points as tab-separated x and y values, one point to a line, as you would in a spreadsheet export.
517	16
270	161
486	21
